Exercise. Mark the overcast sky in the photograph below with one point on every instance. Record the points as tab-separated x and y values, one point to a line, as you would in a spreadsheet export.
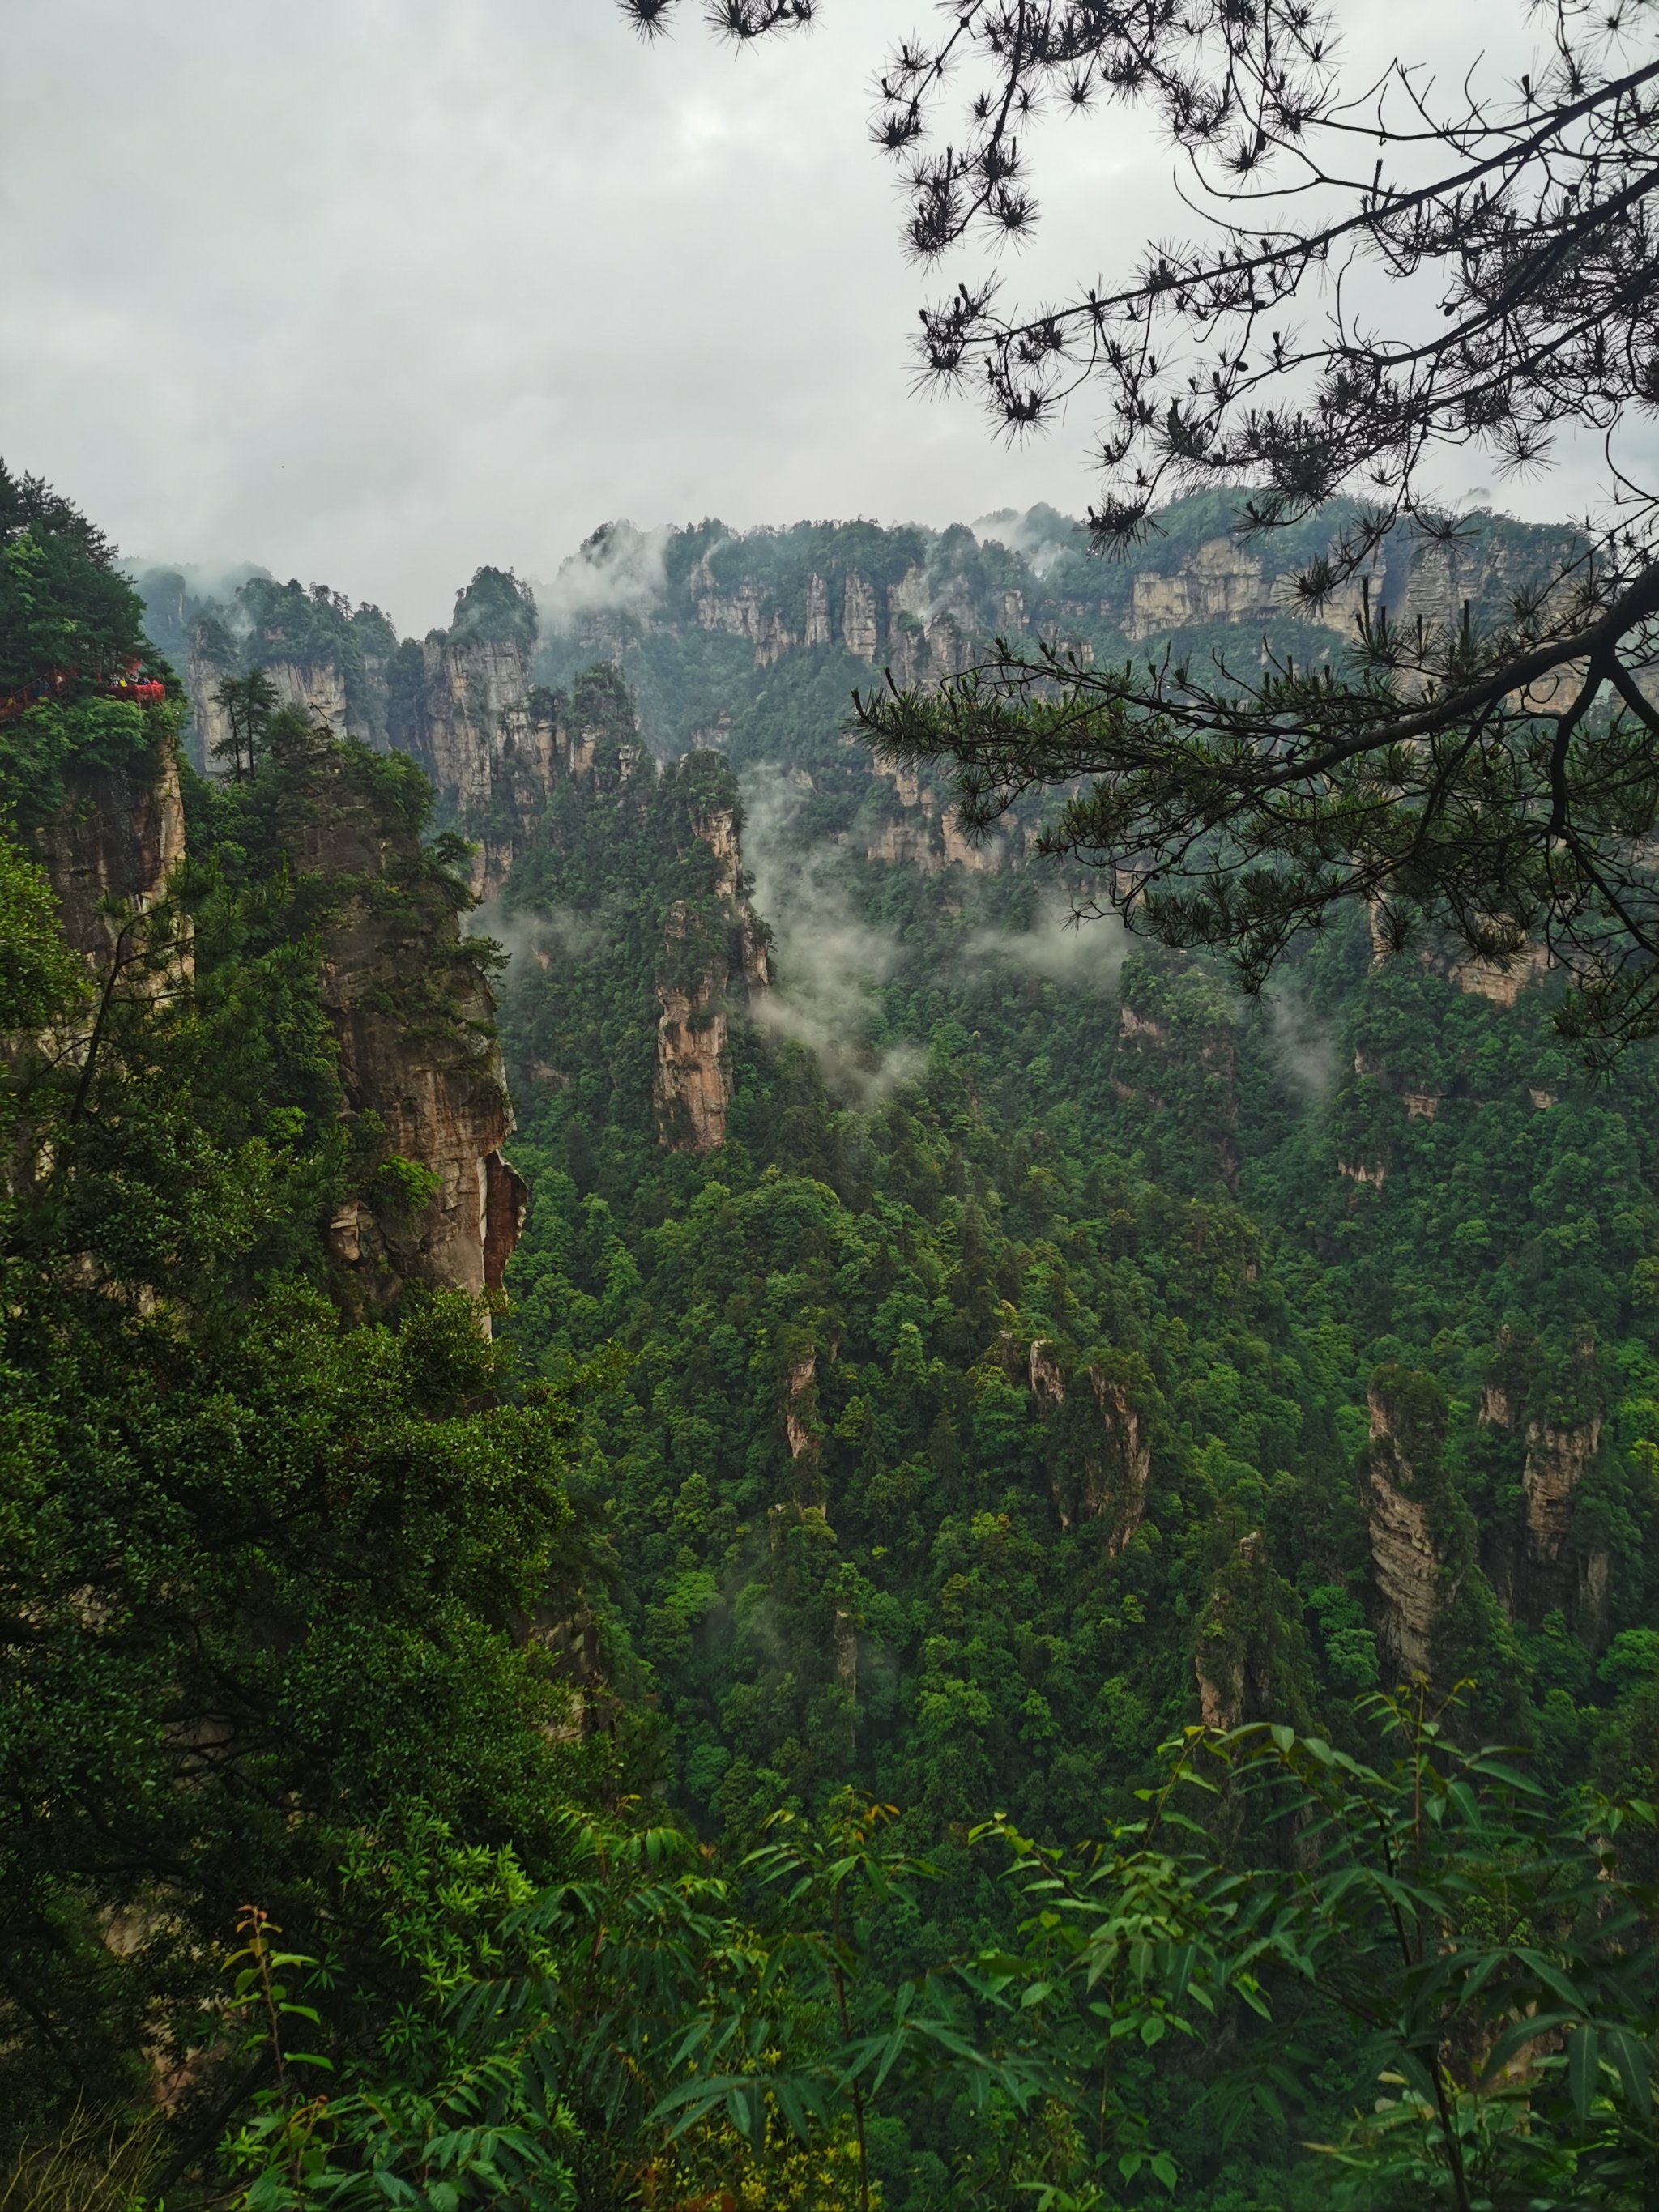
370	291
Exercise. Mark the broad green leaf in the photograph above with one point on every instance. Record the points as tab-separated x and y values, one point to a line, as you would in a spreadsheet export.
1584	2068
1628	2055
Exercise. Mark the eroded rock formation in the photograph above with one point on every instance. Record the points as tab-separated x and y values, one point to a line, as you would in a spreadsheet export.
694	1077
1402	1487
116	842
1102	1469
799	1405
471	685
857	617
414	1016
1558	1456
928	834
713	960
1224	581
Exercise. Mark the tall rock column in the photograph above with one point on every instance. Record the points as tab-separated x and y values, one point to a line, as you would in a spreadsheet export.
457	698
1404	1492
470	684
415	1018
713	955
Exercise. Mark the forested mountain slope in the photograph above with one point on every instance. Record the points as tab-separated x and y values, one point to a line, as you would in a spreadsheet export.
750	641
946	1357
265	1519
1060	1349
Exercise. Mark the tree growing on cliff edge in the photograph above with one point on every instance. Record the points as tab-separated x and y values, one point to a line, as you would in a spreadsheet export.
1503	781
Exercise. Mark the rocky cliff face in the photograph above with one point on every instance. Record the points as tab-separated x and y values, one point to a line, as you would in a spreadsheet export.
410	1005
448	700
928	834
711	962
117	840
472	688
693	1086
1411	1571
419	1062
1101	1463
1224	582
316	688
1558	1459
923	603
900	627
1545	1425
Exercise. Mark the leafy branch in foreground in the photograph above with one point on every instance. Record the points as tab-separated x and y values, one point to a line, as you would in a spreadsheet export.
1487	1957
1454	779
625	2033
1424	1938
1512	223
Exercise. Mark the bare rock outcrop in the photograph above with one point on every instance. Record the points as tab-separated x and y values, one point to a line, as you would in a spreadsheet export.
799	1405
905	843
846	1642
928	834
1558	1459
709	965
1372	1172
410	1007
745	613
540	743
694	1077
859	631
1220	582
816	631
749	611
1048	1381
117	840
472	686
1410	1571
1496	1407
1553	1572
1118	1480
1106	1476
1224	582
317	689
1545	1421
1500	982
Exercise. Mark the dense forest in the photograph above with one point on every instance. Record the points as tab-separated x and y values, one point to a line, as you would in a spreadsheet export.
966	1570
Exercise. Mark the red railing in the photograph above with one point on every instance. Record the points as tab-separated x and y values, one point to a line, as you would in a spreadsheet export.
140	690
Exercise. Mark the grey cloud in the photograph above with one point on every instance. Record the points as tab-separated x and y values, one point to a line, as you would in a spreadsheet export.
618	570
372	291
1301	1042
829	964
554	932
1081	950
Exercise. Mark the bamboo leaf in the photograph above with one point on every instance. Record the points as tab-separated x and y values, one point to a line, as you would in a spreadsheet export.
1583	2066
